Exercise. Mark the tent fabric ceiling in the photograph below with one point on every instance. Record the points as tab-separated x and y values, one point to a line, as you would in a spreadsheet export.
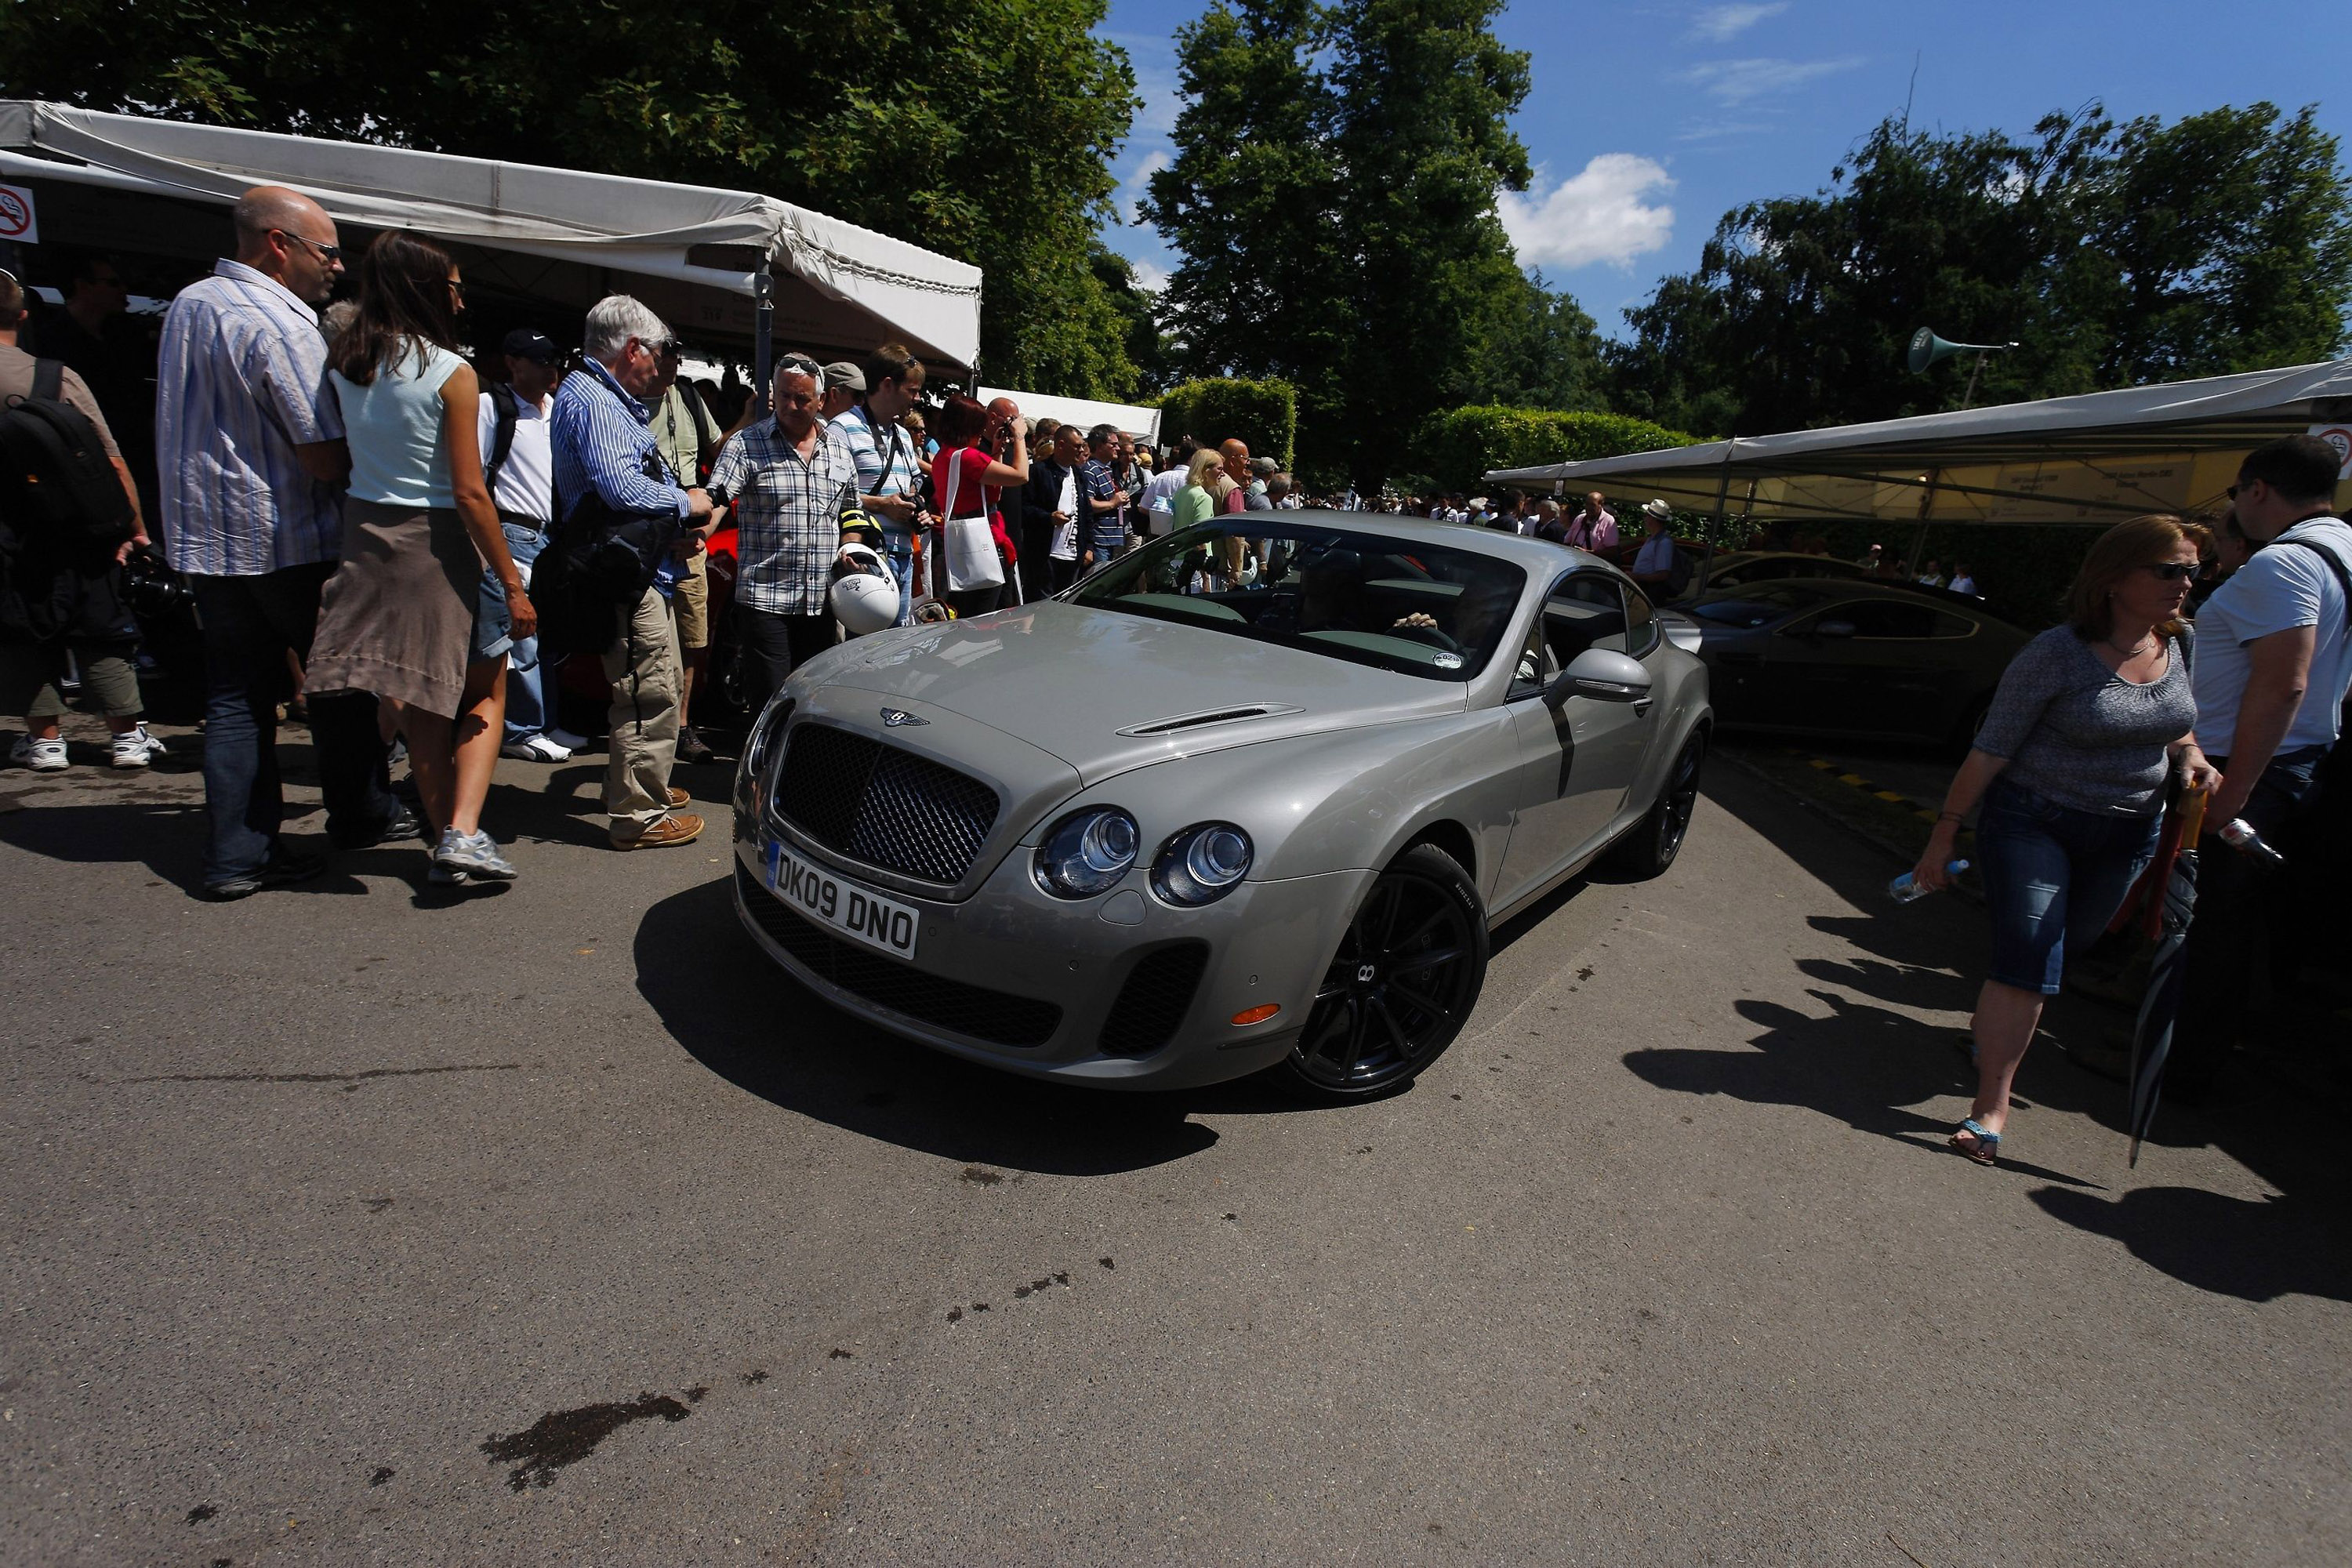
708	241
1141	422
2174	447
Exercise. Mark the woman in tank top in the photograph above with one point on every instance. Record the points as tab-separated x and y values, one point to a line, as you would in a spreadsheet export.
406	616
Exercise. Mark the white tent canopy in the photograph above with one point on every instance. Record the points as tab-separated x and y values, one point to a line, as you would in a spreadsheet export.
2101	456
1143	424
557	235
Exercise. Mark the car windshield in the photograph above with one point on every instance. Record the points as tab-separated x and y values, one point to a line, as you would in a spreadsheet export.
1424	610
1760	606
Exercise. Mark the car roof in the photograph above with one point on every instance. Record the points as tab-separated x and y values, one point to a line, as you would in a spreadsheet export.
1826	589
1537	555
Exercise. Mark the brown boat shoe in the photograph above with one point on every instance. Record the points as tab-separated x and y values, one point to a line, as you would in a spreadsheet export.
677	827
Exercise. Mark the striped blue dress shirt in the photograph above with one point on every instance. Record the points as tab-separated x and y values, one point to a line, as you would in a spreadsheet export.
242	382
602	435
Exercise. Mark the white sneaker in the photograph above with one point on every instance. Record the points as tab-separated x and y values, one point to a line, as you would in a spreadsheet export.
136	749
41	756
536	749
565	738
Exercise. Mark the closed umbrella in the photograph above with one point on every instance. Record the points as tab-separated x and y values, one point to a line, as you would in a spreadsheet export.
2172	904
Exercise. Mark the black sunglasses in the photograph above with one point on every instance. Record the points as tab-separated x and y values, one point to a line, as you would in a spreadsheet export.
2175	570
330	254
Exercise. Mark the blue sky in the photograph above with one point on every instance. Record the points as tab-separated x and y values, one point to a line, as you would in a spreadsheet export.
1648	120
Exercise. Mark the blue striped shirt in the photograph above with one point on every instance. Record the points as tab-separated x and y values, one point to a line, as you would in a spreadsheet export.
241	382
601	437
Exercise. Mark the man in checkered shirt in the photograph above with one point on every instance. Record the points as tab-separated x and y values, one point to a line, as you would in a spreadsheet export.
791	478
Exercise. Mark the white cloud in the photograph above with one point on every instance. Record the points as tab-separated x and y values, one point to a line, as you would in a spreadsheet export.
1721	24
1596	214
1137	185
1149	276
1738	81
1162	102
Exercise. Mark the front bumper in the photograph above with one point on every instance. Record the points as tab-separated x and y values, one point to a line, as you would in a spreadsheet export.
1014	963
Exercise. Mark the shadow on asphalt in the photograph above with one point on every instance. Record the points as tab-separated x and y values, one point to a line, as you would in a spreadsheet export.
745	1019
1867	1063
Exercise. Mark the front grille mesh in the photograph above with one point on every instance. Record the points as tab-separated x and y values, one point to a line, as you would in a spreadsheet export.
1153	1002
882	805
975	1011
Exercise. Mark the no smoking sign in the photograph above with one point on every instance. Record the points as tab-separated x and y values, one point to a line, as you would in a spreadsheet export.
17	221
2340	438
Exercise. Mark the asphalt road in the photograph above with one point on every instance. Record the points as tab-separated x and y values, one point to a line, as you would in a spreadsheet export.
356	1225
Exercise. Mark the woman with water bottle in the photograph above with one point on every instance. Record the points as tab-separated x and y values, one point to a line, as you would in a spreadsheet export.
2070	767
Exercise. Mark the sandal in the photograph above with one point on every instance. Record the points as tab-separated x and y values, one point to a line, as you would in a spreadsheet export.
1986	1147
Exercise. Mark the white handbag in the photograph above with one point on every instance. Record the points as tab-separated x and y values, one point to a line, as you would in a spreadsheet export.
968	546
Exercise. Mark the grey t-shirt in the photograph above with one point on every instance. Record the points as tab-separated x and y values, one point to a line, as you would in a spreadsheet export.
2077	733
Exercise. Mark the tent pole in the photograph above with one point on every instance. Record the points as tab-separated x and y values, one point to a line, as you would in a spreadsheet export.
763	337
1722	499
1919	539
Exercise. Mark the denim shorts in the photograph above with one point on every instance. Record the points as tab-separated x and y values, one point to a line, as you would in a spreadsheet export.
2053	877
492	630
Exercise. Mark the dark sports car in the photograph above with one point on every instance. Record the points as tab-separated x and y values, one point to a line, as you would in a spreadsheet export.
1825	656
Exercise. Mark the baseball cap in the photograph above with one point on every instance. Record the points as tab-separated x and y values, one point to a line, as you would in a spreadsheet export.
536	347
840	373
1265	465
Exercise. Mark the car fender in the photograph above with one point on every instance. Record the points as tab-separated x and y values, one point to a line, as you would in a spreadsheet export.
1684	707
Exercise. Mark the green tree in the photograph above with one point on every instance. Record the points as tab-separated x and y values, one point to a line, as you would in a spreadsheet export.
1332	204
988	140
1250	201
1539	350
2112	256
1421	91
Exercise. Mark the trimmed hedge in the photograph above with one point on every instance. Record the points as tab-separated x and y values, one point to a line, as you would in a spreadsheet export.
1265	414
1457	446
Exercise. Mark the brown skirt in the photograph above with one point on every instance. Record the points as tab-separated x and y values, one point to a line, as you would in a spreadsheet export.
397	617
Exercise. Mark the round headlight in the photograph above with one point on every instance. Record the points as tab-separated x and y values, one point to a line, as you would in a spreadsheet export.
1087	852
1201	863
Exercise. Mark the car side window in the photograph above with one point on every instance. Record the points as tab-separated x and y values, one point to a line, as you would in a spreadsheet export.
1888	619
1534	671
1584	610
1641	623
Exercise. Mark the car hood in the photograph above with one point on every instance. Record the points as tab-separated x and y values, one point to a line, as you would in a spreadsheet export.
1105	691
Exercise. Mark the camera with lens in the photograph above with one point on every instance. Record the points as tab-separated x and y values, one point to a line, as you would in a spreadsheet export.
151	588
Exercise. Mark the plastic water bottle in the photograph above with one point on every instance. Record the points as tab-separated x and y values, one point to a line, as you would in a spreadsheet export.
2240	834
1903	889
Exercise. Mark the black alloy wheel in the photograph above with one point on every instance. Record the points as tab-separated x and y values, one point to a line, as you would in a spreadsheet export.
1654	842
1407	972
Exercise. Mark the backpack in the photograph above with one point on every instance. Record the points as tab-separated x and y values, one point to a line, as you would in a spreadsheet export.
504	415
1678	575
54	475
2334	565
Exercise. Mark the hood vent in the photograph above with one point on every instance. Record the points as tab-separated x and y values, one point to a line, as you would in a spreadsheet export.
1183	721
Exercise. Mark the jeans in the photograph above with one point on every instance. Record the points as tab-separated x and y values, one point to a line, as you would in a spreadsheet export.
250	624
2053	877
527	707
774	646
2241	902
898	550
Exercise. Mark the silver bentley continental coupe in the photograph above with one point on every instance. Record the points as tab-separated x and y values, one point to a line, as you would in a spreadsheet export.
1248	797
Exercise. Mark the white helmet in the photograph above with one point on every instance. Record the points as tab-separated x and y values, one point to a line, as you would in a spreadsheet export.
864	597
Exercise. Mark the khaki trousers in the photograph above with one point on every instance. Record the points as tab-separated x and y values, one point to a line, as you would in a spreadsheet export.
642	666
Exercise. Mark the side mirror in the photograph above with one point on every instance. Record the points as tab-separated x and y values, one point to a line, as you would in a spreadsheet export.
1601	675
1833	629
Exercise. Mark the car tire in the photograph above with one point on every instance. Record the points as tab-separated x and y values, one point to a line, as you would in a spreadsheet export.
1407	972
1658	839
